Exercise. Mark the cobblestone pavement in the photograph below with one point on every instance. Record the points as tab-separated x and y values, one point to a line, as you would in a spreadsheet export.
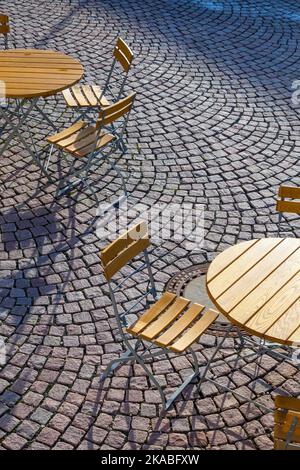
213	124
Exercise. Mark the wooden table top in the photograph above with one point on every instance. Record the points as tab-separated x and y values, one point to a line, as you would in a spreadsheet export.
30	73
256	285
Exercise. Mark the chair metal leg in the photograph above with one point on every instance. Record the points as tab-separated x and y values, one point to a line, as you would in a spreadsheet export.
187	381
153	288
279	223
129	355
291	432
212	357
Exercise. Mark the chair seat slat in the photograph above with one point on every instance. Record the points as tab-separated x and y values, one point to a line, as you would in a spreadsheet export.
195	331
164	320
152	313
179	325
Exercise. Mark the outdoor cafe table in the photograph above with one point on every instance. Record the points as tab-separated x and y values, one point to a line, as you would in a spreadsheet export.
256	286
26	75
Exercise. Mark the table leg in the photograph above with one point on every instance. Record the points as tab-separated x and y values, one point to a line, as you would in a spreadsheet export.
21	114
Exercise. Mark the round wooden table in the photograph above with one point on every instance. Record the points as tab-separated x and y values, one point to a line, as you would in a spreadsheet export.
256	286
29	73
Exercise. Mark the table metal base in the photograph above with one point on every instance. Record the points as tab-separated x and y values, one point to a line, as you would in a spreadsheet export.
16	118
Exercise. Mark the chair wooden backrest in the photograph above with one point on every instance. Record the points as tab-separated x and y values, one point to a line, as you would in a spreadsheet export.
112	113
287	423
292	193
4	24
117	77
118	253
123	54
4	29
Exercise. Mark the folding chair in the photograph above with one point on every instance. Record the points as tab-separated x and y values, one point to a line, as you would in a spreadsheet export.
86	144
4	29
171	325
85	97
287	423
291	206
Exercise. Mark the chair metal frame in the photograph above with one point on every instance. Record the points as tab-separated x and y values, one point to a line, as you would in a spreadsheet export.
259	348
290	206
4	28
150	350
106	121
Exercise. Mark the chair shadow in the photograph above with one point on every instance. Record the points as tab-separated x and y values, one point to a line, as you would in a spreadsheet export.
20	293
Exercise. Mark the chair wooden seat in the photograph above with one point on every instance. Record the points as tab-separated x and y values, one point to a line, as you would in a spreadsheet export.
287	423
167	323
80	139
85	96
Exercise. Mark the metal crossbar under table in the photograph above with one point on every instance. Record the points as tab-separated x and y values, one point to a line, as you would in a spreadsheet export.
16	121
259	348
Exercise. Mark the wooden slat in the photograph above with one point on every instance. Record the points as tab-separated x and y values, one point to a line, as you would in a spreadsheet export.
93	93
164	320
116	110
79	96
227	257
288	323
179	325
69	97
257	274
242	265
4	29
263	293
123	46
288	206
39	82
86	148
14	72
4	18
195	331
291	192
284	419
77	138
280	416
90	95
66	132
125	256
139	230
288	403
152	313
121	58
